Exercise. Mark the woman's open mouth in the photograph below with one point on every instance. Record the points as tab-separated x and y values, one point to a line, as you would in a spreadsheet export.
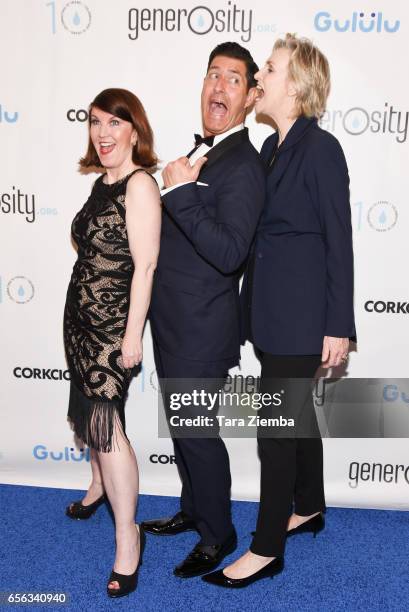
106	147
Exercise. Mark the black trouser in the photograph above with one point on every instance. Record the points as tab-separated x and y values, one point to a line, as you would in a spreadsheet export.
291	469
203	463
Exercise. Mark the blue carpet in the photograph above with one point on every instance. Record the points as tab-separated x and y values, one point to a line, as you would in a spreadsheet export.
360	561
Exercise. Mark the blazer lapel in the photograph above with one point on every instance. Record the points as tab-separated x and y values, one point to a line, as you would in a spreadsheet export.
223	147
284	152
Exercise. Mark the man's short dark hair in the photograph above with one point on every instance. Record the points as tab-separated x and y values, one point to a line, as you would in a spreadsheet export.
236	51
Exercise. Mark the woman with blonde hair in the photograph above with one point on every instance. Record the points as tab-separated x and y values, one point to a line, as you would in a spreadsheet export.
297	296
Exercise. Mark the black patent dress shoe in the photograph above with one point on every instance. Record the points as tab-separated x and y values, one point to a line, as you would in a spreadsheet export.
314	525
127	583
204	558
169	526
78	511
219	579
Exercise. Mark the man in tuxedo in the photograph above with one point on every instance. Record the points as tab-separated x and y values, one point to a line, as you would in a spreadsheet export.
212	202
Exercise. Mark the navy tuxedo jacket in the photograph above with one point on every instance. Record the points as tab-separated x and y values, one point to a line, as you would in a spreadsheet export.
207	231
303	260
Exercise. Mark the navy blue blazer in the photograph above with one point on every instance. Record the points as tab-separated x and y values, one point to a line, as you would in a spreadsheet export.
302	286
207	231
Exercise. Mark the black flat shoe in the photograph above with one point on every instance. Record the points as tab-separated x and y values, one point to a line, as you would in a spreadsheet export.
169	526
127	582
219	579
313	525
204	558
78	511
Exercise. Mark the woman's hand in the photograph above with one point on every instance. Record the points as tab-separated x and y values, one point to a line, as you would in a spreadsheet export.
131	350
334	351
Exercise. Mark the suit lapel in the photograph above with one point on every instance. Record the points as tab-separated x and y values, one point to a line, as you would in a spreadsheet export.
285	151
223	147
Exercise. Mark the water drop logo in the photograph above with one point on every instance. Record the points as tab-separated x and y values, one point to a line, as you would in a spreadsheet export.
382	216
20	289
76	17
356	121
201	20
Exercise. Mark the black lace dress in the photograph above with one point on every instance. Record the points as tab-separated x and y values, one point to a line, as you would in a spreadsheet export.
95	316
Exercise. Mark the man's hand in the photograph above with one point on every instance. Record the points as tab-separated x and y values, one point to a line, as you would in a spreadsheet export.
334	351
180	171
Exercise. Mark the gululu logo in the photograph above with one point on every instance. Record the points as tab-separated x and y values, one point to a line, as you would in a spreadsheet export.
75	16
358	120
323	22
68	454
388	307
41	373
199	20
20	289
392	393
8	117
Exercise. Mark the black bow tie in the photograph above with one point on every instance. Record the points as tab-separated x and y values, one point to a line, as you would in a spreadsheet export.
207	141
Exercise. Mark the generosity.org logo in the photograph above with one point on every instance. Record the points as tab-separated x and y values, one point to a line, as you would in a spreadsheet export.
41	373
7	116
377	472
41	452
358	22
381	216
17	202
387	307
199	20
76	17
358	120
19	289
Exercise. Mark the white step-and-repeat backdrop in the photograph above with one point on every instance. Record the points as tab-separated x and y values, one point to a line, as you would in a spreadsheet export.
56	56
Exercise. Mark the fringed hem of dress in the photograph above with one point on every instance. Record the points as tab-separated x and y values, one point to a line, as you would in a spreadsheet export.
96	422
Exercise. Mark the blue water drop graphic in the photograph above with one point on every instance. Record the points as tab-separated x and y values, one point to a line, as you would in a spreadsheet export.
200	21
355	122
76	20
382	217
20	291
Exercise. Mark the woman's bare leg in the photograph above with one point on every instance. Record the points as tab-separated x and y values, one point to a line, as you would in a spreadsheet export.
96	488
120	477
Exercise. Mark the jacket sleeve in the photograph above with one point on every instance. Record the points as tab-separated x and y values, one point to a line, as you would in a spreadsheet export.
329	173
222	238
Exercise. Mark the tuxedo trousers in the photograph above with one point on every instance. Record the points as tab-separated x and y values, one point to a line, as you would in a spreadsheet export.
203	463
291	468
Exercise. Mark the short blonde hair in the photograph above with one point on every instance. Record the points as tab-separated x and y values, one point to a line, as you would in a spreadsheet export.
308	68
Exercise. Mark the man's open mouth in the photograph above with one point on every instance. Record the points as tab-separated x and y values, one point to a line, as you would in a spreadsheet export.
217	108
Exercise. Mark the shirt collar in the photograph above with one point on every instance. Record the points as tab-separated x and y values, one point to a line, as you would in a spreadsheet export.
221	137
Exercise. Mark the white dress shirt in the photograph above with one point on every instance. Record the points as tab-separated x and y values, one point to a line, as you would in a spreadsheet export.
201	151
